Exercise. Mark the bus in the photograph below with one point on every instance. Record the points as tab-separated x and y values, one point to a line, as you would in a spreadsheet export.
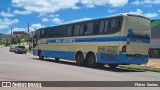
114	40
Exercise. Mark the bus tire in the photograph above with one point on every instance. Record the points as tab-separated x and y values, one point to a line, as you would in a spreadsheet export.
57	59
40	56
80	59
112	66
100	65
91	60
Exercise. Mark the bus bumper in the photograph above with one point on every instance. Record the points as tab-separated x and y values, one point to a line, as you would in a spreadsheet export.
121	59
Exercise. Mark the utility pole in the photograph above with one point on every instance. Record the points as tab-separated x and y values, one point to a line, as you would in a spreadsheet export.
11	36
29	37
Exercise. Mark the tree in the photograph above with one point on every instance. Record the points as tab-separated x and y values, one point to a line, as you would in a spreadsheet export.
14	40
25	37
0	42
8	42
18	39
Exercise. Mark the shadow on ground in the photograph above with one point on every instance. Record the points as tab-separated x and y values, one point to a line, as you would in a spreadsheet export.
105	68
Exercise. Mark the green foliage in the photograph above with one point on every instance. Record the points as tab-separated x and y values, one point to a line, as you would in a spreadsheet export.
14	40
155	23
19	39
26	37
8	42
0	42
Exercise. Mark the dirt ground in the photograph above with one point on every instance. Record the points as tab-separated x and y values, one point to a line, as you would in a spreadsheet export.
153	63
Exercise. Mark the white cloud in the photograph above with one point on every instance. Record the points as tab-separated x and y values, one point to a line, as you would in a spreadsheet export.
52	15
45	6
117	3
22	12
51	6
149	15
114	10
6	23
112	3
45	19
6	14
33	27
143	2
138	11
36	26
57	21
19	29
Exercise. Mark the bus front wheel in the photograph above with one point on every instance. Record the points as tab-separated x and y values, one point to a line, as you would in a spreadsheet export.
40	56
80	59
91	60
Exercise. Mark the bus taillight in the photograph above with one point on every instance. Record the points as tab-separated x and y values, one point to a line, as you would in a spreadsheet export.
124	49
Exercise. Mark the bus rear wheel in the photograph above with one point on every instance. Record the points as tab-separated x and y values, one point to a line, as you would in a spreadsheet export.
91	60
57	59
80	59
40	56
112	66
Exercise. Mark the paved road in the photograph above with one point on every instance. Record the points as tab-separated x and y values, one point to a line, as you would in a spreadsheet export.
21	67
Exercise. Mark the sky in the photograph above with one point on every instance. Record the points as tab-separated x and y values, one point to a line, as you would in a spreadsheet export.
16	14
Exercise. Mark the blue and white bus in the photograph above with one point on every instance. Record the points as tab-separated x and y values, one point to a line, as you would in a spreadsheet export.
114	40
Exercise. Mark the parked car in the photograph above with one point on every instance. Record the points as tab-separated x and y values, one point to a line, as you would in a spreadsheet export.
12	48
20	49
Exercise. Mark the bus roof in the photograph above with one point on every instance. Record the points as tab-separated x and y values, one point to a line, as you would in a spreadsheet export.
90	19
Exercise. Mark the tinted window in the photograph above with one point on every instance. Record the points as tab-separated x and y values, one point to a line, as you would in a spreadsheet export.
60	31
47	33
89	29
106	26
101	27
69	31
82	29
42	34
113	22
51	32
96	27
64	31
56	31
76	30
21	47
118	23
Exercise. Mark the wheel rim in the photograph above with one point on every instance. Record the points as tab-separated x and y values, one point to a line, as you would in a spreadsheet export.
91	60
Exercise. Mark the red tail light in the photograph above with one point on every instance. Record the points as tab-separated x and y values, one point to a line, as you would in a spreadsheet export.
124	49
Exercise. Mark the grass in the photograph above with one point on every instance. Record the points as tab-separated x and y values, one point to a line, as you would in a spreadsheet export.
139	67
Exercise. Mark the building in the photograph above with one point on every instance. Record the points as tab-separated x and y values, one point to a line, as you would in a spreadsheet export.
155	39
19	33
4	37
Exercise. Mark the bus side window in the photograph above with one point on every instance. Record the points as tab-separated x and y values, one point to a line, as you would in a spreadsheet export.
64	31
42	34
69	31
54	33
76	30
96	28
113	23
82	29
89	29
60	31
101	27
57	32
106	26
